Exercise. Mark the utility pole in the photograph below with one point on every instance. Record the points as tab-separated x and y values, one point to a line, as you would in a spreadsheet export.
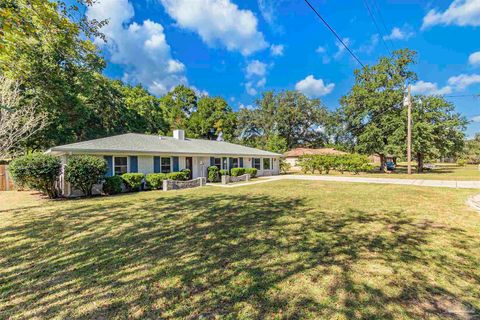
408	104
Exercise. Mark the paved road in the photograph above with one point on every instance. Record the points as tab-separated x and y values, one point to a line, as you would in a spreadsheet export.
411	182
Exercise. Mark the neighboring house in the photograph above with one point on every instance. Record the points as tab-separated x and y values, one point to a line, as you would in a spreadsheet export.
145	153
293	155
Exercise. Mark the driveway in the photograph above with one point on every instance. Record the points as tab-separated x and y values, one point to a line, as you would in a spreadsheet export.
412	182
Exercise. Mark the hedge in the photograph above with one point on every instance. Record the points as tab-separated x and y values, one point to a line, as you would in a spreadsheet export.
155	180
251	171
235	172
353	163
37	171
133	181
85	171
182	175
112	185
213	173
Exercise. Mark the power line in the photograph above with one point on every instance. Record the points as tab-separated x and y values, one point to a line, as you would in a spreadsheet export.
377	7
376	26
334	33
462	96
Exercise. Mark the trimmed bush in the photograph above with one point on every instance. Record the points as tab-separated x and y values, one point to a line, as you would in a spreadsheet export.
235	172
133	181
213	173
112	185
252	172
353	163
223	172
284	166
155	180
186	172
37	171
85	171
181	176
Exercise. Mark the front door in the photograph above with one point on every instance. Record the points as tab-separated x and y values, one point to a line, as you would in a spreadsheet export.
189	166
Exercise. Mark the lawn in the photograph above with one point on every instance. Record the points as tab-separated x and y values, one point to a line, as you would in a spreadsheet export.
442	172
278	250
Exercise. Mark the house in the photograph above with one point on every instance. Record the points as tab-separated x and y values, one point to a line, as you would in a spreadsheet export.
292	156
146	153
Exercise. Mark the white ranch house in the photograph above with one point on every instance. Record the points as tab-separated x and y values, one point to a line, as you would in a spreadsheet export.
145	153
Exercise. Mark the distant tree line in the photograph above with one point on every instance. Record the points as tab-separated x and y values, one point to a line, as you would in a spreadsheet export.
45	49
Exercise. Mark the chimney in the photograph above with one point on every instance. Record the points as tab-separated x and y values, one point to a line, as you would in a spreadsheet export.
179	134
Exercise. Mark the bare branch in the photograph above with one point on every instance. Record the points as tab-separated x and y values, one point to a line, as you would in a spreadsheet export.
17	121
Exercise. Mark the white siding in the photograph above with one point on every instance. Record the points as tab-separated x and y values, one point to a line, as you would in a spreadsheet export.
145	164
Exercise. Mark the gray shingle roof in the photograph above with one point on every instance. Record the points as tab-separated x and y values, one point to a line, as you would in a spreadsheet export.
151	144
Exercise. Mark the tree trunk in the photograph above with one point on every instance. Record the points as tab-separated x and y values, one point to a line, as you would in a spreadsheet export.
419	162
383	164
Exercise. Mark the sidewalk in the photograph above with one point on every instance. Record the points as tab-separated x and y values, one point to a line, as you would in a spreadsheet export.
411	182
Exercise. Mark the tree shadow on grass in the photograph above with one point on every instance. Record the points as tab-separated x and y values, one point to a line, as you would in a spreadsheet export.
251	256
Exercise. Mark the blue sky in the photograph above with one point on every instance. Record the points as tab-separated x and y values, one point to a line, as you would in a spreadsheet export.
238	48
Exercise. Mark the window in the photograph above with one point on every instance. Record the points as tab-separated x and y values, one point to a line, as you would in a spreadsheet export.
235	163
225	165
218	163
120	165
166	164
256	163
267	164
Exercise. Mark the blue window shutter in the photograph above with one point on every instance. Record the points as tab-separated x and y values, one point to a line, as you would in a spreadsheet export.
230	163
109	160
133	164
241	162
175	164
156	164
212	161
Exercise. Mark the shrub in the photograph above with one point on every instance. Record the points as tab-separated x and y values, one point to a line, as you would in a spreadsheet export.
461	162
37	171
182	176
112	185
85	171
251	171
235	172
186	172
284	166
223	172
133	181
213	173
324	163
155	180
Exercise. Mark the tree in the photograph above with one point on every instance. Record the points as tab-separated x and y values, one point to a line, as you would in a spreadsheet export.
212	116
471	150
178	105
437	129
287	119
45	46
372	112
17	121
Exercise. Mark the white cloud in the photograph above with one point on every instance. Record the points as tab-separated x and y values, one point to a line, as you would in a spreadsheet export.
321	49
464	80
256	68
399	34
460	12
140	47
474	58
429	88
276	50
370	46
476	118
340	48
249	87
268	10
218	22
248	106
314	87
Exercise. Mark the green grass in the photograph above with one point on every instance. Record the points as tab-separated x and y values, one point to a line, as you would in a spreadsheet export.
442	172
278	250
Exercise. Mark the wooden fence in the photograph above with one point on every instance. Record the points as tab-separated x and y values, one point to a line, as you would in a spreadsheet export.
6	182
